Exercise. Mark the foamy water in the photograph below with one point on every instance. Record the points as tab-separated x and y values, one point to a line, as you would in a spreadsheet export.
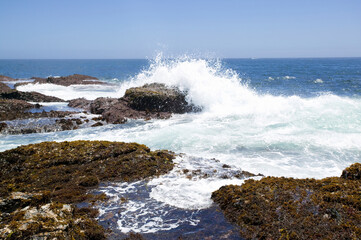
288	136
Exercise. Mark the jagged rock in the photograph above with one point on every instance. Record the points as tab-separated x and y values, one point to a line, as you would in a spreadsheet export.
29	96
120	111
287	208
100	105
66	81
13	105
80	103
157	97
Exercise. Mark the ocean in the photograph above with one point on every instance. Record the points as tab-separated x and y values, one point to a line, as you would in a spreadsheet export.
296	118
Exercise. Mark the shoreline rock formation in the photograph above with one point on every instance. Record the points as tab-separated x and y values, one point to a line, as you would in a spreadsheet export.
287	208
42	183
147	102
74	79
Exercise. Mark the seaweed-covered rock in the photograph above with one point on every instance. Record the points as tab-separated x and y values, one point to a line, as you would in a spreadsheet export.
29	96
66	81
63	173
353	172
287	208
157	97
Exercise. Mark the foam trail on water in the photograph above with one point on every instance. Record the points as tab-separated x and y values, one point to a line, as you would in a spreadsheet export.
89	92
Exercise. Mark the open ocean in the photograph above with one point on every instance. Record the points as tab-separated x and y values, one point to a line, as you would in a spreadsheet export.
280	117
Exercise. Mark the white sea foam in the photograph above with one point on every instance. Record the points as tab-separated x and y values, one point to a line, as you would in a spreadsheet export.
90	92
289	77
318	80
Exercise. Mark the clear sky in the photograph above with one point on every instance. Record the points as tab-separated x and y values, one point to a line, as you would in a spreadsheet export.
216	28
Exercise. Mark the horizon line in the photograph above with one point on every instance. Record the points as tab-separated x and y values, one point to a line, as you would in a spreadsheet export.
145	58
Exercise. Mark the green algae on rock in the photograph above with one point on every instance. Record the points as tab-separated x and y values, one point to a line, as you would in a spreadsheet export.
40	176
287	208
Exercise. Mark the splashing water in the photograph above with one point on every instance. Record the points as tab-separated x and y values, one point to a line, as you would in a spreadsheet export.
261	133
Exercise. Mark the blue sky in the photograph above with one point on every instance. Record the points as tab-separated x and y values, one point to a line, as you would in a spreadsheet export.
141	28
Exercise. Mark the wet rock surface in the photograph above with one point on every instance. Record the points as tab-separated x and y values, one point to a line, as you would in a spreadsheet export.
287	208
11	109
29	96
74	79
40	183
157	97
147	102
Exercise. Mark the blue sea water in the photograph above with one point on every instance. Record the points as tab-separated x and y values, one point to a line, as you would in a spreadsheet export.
279	117
285	76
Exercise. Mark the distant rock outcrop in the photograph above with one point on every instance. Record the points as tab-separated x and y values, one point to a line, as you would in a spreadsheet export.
74	79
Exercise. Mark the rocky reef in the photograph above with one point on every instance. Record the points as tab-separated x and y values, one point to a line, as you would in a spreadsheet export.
287	208
42	183
147	102
66	80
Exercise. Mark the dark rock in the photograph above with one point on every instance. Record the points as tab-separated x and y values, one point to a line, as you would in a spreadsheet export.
157	97
98	124
100	105
147	102
66	81
4	88
3	126
353	172
120	111
11	109
29	96
80	103
13	105
6	78
287	208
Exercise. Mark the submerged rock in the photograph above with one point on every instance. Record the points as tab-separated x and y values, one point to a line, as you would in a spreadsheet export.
40	183
287	208
66	81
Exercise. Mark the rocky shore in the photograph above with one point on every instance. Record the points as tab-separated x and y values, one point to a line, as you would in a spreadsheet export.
151	101
42	183
287	208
